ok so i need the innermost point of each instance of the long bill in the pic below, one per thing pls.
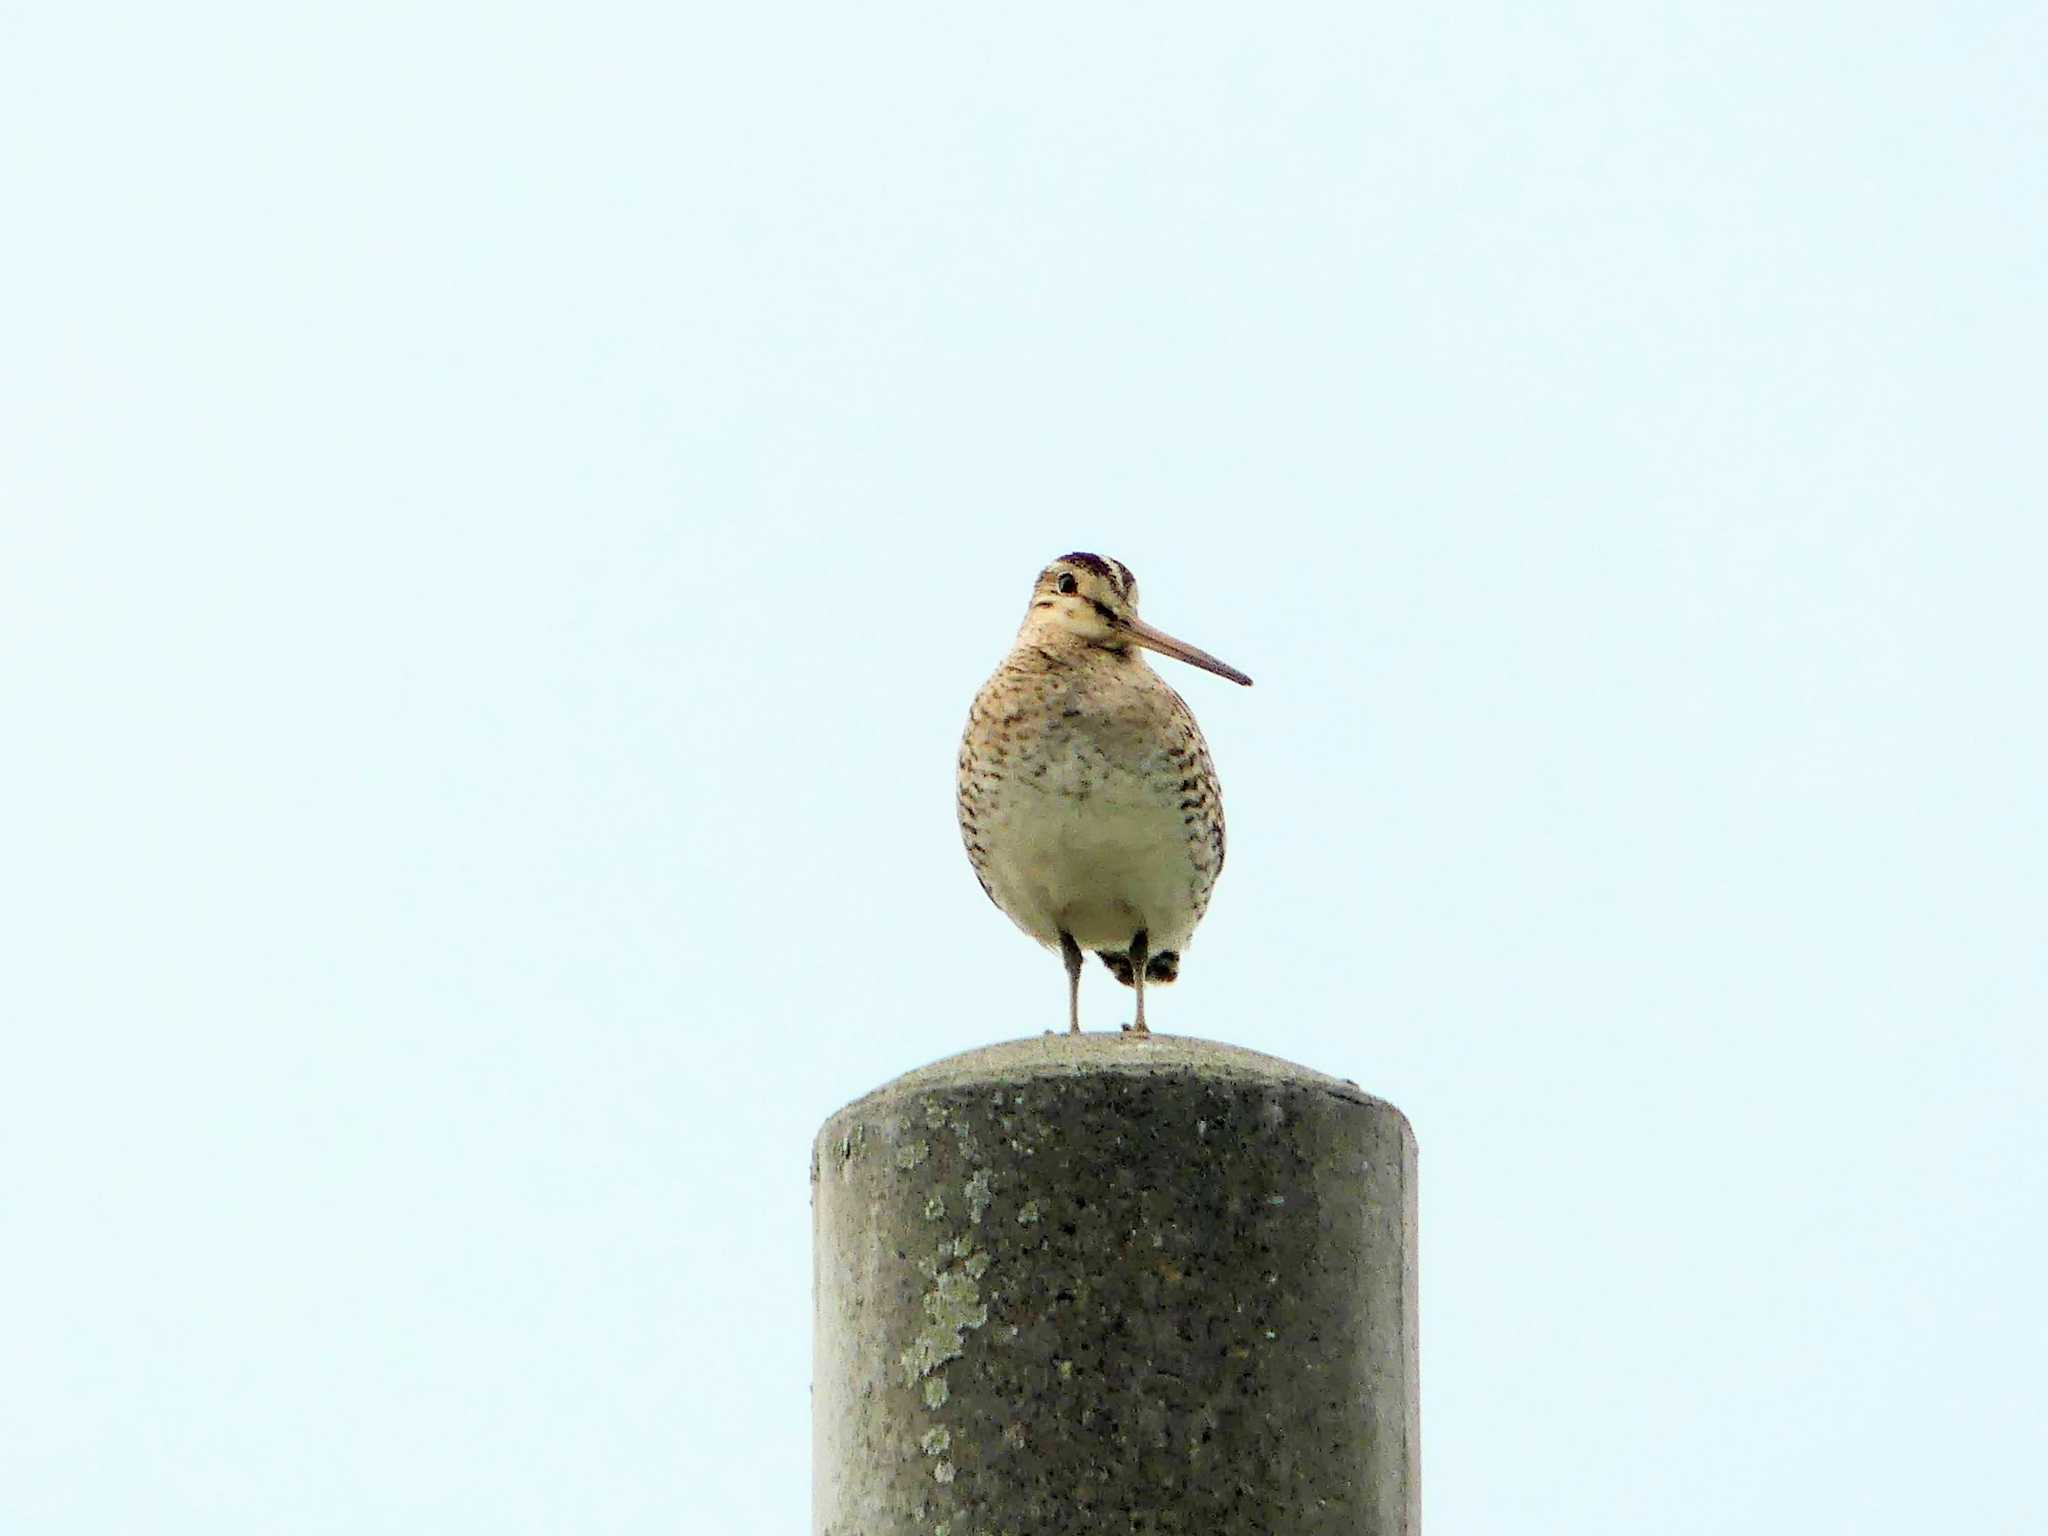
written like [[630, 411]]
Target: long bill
[[1158, 640]]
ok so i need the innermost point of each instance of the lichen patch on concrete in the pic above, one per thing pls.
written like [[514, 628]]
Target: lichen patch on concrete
[[953, 1305], [852, 1144], [978, 1196]]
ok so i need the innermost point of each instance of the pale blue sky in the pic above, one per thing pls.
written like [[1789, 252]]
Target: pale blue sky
[[505, 510]]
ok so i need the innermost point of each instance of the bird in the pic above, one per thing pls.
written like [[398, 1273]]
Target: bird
[[1088, 801]]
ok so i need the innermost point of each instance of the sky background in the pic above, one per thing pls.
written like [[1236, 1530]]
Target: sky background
[[505, 509]]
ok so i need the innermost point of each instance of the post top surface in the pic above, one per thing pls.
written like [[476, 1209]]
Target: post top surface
[[1040, 1057]]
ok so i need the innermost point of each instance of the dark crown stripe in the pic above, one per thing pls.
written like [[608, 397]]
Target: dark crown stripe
[[1115, 572]]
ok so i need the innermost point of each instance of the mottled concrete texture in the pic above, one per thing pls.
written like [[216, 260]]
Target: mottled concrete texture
[[1108, 1284]]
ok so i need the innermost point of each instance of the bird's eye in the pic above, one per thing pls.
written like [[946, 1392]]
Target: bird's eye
[[1066, 583]]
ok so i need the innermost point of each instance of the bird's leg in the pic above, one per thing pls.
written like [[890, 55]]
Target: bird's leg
[[1139, 947], [1071, 953]]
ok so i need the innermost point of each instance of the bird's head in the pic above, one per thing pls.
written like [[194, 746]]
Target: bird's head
[[1083, 600]]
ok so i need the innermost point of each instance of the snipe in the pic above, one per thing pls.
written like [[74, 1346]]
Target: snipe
[[1088, 802]]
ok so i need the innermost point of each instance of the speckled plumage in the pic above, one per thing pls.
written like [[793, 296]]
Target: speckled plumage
[[1088, 801]]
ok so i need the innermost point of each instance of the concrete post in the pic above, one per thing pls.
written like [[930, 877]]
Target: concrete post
[[1109, 1284]]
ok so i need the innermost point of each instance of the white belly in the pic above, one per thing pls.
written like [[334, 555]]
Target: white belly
[[1100, 866]]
